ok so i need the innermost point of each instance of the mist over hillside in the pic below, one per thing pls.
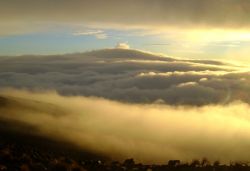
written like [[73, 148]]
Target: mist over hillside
[[149, 133]]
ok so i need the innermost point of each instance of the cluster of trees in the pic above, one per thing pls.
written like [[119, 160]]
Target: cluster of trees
[[15, 157], [177, 165], [19, 157]]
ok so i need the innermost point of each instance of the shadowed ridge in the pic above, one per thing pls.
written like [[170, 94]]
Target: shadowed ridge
[[3, 101], [126, 53], [105, 54], [22, 133], [24, 104]]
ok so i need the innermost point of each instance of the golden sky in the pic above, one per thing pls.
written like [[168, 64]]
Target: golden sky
[[193, 28]]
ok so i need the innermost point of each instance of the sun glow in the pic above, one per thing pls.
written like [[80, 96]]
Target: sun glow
[[218, 35]]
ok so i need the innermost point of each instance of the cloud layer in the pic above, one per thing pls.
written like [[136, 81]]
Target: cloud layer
[[145, 13], [148, 133], [125, 103], [129, 76]]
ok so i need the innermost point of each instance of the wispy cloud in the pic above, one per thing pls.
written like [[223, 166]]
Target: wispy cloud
[[157, 44], [99, 34]]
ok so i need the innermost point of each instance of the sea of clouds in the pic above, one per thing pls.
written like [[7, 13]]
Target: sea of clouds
[[129, 76], [126, 103]]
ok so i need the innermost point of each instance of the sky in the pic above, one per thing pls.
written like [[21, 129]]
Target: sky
[[149, 80], [215, 29]]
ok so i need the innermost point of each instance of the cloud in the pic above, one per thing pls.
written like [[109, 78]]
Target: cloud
[[89, 32], [129, 76], [158, 44], [149, 133], [122, 46], [160, 13], [126, 103], [99, 34]]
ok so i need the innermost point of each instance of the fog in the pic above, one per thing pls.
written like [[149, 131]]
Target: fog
[[149, 133]]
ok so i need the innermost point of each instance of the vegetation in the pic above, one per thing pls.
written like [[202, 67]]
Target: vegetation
[[15, 157]]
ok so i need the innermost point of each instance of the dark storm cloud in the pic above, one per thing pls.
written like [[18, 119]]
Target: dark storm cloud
[[129, 76], [31, 15]]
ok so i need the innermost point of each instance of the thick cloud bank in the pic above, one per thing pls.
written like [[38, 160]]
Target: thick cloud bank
[[148, 133], [129, 76]]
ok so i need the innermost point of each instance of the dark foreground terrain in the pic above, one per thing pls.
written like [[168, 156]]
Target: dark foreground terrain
[[26, 157]]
